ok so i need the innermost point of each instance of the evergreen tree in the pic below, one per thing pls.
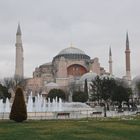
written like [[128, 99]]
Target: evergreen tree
[[121, 94], [102, 89], [96, 89], [18, 111], [86, 89]]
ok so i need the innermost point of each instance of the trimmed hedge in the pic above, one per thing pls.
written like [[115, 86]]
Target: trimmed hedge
[[18, 111]]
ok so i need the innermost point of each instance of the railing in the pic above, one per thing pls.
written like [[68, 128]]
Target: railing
[[70, 114]]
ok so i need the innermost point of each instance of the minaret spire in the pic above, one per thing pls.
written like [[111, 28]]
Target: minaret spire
[[18, 30], [19, 67], [127, 57], [110, 54], [127, 41], [110, 61]]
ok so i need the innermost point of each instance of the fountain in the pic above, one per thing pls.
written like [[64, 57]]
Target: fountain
[[5, 107], [42, 108], [43, 105], [1, 106], [30, 104]]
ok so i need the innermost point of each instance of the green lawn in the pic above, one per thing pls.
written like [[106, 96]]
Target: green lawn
[[110, 129]]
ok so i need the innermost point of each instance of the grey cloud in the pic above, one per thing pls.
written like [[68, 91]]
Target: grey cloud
[[49, 26]]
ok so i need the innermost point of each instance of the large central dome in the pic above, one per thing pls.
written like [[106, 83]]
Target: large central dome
[[71, 50], [72, 53]]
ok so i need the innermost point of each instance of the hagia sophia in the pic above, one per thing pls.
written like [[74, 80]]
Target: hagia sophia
[[67, 70]]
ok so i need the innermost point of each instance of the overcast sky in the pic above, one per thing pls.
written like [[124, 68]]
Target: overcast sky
[[48, 26]]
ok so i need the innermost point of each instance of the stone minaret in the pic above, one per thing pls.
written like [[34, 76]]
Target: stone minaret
[[110, 62], [127, 57], [19, 68]]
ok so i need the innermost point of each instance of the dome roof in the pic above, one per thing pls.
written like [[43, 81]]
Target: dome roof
[[89, 76], [52, 84], [72, 53], [71, 50], [45, 65]]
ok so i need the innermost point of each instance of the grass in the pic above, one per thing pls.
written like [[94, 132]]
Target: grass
[[108, 129]]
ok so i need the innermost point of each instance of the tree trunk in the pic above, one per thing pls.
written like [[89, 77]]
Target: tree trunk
[[107, 107], [105, 115], [120, 105]]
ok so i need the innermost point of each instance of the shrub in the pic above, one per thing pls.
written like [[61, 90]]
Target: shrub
[[18, 111], [4, 93], [56, 93], [79, 96]]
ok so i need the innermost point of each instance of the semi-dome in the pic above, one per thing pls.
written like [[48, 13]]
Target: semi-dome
[[52, 84], [71, 50], [72, 53], [136, 79], [89, 76]]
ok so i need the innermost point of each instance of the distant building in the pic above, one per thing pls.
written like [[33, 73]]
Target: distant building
[[68, 66], [66, 70]]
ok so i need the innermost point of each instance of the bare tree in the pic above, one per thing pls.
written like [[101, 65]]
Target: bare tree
[[13, 82]]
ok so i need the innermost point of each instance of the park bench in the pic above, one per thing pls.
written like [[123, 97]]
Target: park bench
[[99, 113], [138, 112], [120, 111], [65, 114]]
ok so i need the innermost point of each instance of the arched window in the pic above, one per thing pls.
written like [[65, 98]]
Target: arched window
[[76, 70]]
